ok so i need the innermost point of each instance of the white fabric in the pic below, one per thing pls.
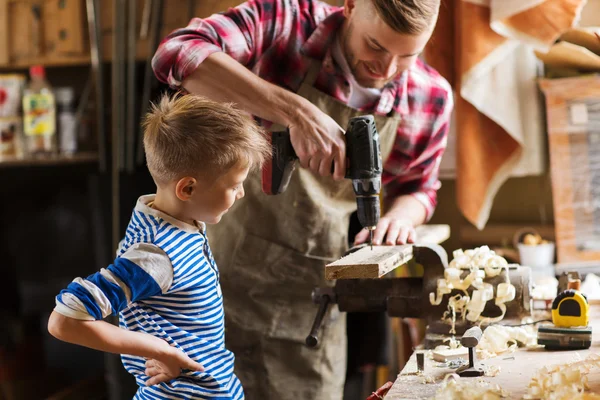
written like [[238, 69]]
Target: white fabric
[[360, 96], [503, 88]]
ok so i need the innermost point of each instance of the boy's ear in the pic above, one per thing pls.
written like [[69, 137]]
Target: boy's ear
[[185, 187]]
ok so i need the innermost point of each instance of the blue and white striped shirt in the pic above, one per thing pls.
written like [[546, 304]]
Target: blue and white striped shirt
[[164, 282]]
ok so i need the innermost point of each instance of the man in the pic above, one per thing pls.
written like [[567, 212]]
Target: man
[[310, 67]]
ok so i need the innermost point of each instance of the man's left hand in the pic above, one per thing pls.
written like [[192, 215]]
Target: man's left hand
[[393, 229]]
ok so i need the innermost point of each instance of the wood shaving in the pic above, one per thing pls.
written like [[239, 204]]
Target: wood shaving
[[428, 379], [455, 388], [498, 339], [481, 263], [491, 370], [563, 381]]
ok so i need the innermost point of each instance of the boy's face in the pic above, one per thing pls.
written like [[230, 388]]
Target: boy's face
[[375, 52], [209, 203]]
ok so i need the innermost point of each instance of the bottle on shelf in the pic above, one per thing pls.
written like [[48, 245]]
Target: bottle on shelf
[[67, 124], [39, 114]]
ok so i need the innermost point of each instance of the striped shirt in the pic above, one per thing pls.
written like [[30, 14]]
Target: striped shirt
[[278, 39], [164, 282]]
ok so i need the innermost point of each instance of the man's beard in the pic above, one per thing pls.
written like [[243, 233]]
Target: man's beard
[[353, 64]]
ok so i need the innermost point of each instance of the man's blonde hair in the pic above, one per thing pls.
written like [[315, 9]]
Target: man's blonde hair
[[411, 17], [189, 135]]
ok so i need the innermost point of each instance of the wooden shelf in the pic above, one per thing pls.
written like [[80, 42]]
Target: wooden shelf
[[78, 158], [47, 62]]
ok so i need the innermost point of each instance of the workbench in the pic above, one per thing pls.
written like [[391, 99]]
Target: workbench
[[516, 369]]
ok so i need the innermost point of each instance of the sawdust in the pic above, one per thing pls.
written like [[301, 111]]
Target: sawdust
[[455, 388], [564, 381], [491, 370]]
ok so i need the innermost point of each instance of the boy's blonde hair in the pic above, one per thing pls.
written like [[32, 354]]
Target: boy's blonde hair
[[190, 135]]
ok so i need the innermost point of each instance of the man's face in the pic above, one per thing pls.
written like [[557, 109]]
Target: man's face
[[375, 52]]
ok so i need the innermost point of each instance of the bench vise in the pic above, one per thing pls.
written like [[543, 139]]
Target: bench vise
[[409, 297]]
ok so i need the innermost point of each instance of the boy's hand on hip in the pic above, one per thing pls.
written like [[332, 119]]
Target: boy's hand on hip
[[169, 366], [319, 142]]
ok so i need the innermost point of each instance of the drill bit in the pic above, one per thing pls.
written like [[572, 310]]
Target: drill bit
[[371, 239]]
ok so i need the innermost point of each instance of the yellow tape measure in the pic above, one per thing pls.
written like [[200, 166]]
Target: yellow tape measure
[[570, 308]]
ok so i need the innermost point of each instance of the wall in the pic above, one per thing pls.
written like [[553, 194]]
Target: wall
[[590, 15]]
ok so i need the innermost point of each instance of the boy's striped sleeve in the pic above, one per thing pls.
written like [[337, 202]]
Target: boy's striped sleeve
[[144, 270]]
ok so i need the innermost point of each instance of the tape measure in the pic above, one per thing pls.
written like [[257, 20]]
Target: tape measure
[[570, 308]]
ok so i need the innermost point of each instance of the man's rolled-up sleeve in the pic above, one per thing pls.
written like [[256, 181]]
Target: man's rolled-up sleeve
[[243, 32], [419, 176]]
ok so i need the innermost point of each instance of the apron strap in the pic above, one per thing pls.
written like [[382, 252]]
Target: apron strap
[[313, 72]]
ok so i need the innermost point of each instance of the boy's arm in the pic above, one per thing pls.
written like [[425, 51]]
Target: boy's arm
[[141, 272], [103, 336]]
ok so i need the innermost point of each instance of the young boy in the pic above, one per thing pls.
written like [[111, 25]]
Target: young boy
[[164, 283]]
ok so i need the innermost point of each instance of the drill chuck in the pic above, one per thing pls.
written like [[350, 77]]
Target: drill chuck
[[368, 211]]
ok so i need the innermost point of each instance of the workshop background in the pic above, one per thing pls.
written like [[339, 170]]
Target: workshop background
[[67, 197]]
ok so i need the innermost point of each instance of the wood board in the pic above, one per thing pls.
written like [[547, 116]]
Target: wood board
[[573, 132], [370, 264], [516, 369], [366, 263]]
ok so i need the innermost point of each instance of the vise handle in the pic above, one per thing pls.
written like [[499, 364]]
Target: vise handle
[[471, 337], [323, 297]]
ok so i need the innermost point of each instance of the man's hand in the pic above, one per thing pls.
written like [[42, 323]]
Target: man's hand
[[169, 366], [395, 231], [319, 142]]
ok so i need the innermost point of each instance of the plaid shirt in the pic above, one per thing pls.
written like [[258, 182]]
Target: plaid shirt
[[277, 38]]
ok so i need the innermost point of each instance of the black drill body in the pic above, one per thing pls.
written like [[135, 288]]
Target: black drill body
[[364, 166]]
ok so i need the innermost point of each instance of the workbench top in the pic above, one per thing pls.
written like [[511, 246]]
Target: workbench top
[[516, 369]]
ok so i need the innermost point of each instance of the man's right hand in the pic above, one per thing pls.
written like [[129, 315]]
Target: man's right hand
[[319, 142]]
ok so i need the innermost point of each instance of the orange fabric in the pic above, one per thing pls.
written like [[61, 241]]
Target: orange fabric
[[463, 38], [546, 21]]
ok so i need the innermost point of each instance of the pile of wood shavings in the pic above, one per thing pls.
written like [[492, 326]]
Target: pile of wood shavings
[[456, 388], [563, 381], [480, 263]]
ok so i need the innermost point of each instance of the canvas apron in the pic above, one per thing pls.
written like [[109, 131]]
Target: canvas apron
[[271, 252]]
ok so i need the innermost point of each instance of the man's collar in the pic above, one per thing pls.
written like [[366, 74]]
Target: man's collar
[[320, 40]]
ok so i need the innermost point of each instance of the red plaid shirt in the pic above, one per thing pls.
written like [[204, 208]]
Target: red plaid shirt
[[276, 38]]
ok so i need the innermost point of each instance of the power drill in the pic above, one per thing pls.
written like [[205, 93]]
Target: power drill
[[364, 167]]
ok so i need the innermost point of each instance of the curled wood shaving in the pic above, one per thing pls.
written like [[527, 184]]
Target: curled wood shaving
[[498, 339], [563, 381], [481, 262], [455, 388]]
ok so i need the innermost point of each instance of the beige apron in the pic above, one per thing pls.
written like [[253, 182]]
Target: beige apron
[[271, 252]]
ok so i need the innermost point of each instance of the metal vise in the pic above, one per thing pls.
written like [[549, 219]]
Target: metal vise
[[409, 297]]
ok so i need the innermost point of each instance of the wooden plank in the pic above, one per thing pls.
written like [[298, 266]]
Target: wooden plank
[[560, 95], [366, 263], [516, 369]]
